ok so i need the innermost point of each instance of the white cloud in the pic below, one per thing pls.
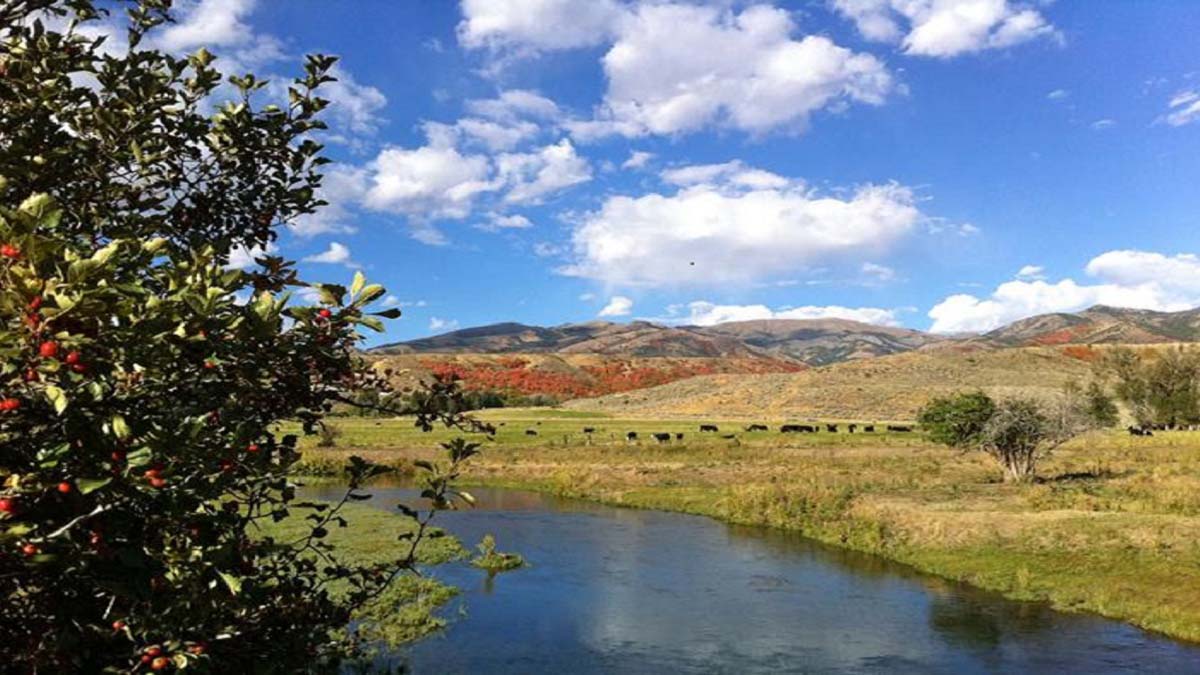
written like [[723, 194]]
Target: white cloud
[[241, 258], [207, 23], [532, 176], [432, 181], [1058, 95], [701, 313], [587, 297], [618, 305], [946, 28], [536, 24], [499, 221], [1184, 108], [1137, 279], [727, 232], [734, 173], [342, 186], [515, 104], [1100, 125], [395, 301], [676, 68], [877, 273], [353, 107], [495, 135], [447, 325], [1031, 272], [637, 159], [336, 254]]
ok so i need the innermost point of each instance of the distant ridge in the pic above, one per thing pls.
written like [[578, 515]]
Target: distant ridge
[[813, 342]]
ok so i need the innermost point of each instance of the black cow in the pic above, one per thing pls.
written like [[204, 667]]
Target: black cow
[[757, 427], [729, 437], [631, 436], [899, 428], [868, 428], [1140, 431], [831, 428], [531, 432], [851, 428], [679, 436], [662, 438], [798, 428], [709, 427], [589, 430]]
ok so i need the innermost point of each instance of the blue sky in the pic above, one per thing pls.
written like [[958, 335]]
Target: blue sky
[[945, 164]]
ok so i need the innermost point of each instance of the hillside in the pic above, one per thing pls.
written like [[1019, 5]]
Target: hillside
[[886, 388], [565, 376], [1101, 325], [820, 342]]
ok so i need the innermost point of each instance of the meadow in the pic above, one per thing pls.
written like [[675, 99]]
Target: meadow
[[1112, 526]]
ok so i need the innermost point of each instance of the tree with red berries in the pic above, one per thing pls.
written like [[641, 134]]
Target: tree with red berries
[[142, 380]]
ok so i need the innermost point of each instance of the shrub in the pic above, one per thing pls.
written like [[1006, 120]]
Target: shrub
[[141, 379]]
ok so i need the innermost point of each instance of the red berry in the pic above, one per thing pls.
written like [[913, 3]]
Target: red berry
[[324, 313], [146, 658], [9, 404], [10, 251], [8, 505], [253, 447], [118, 625], [72, 358], [48, 350], [35, 304], [158, 482], [209, 365], [64, 487], [118, 455], [30, 550], [79, 367], [153, 651], [161, 663], [31, 375], [153, 473], [226, 465], [198, 648]]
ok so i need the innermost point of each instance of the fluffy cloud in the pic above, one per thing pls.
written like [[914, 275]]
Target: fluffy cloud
[[1138, 279], [619, 305], [432, 181], [878, 274], [946, 28], [207, 23], [241, 258], [532, 176], [727, 231], [637, 159], [436, 324], [336, 254], [701, 313], [498, 221], [677, 67], [734, 173], [515, 104], [536, 24], [1183, 108], [1031, 272], [342, 187]]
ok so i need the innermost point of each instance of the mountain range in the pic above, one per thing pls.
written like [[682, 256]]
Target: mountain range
[[812, 342]]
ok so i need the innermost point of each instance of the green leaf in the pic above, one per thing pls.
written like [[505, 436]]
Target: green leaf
[[357, 285], [120, 427], [138, 458], [57, 398], [393, 313], [89, 485], [233, 582], [372, 323]]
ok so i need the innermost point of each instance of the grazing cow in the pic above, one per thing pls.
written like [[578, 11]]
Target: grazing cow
[[831, 428], [729, 437], [851, 427], [709, 427], [662, 438], [531, 432], [899, 428], [757, 427], [868, 428], [631, 436], [1140, 431], [589, 430], [789, 429], [679, 436]]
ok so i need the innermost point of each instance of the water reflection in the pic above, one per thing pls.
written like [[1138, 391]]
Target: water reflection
[[616, 590]]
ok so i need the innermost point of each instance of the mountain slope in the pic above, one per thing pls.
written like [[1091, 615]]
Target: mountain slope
[[1101, 325], [823, 341]]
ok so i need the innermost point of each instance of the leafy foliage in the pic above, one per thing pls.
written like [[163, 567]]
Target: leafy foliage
[[1016, 432], [141, 379], [1160, 389]]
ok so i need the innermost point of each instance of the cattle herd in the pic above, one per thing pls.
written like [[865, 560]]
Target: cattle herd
[[666, 437]]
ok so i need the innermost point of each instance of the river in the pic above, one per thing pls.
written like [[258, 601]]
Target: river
[[612, 590]]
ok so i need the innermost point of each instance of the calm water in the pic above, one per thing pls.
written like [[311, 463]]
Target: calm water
[[624, 591]]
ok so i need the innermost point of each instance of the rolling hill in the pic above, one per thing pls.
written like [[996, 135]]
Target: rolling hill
[[885, 388], [1101, 325]]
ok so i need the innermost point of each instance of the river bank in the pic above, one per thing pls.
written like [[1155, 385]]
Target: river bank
[[1113, 528]]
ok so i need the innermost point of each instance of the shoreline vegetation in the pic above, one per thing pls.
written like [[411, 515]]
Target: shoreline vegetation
[[1111, 527]]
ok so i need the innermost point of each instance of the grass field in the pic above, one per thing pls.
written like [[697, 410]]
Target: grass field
[[1112, 527]]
